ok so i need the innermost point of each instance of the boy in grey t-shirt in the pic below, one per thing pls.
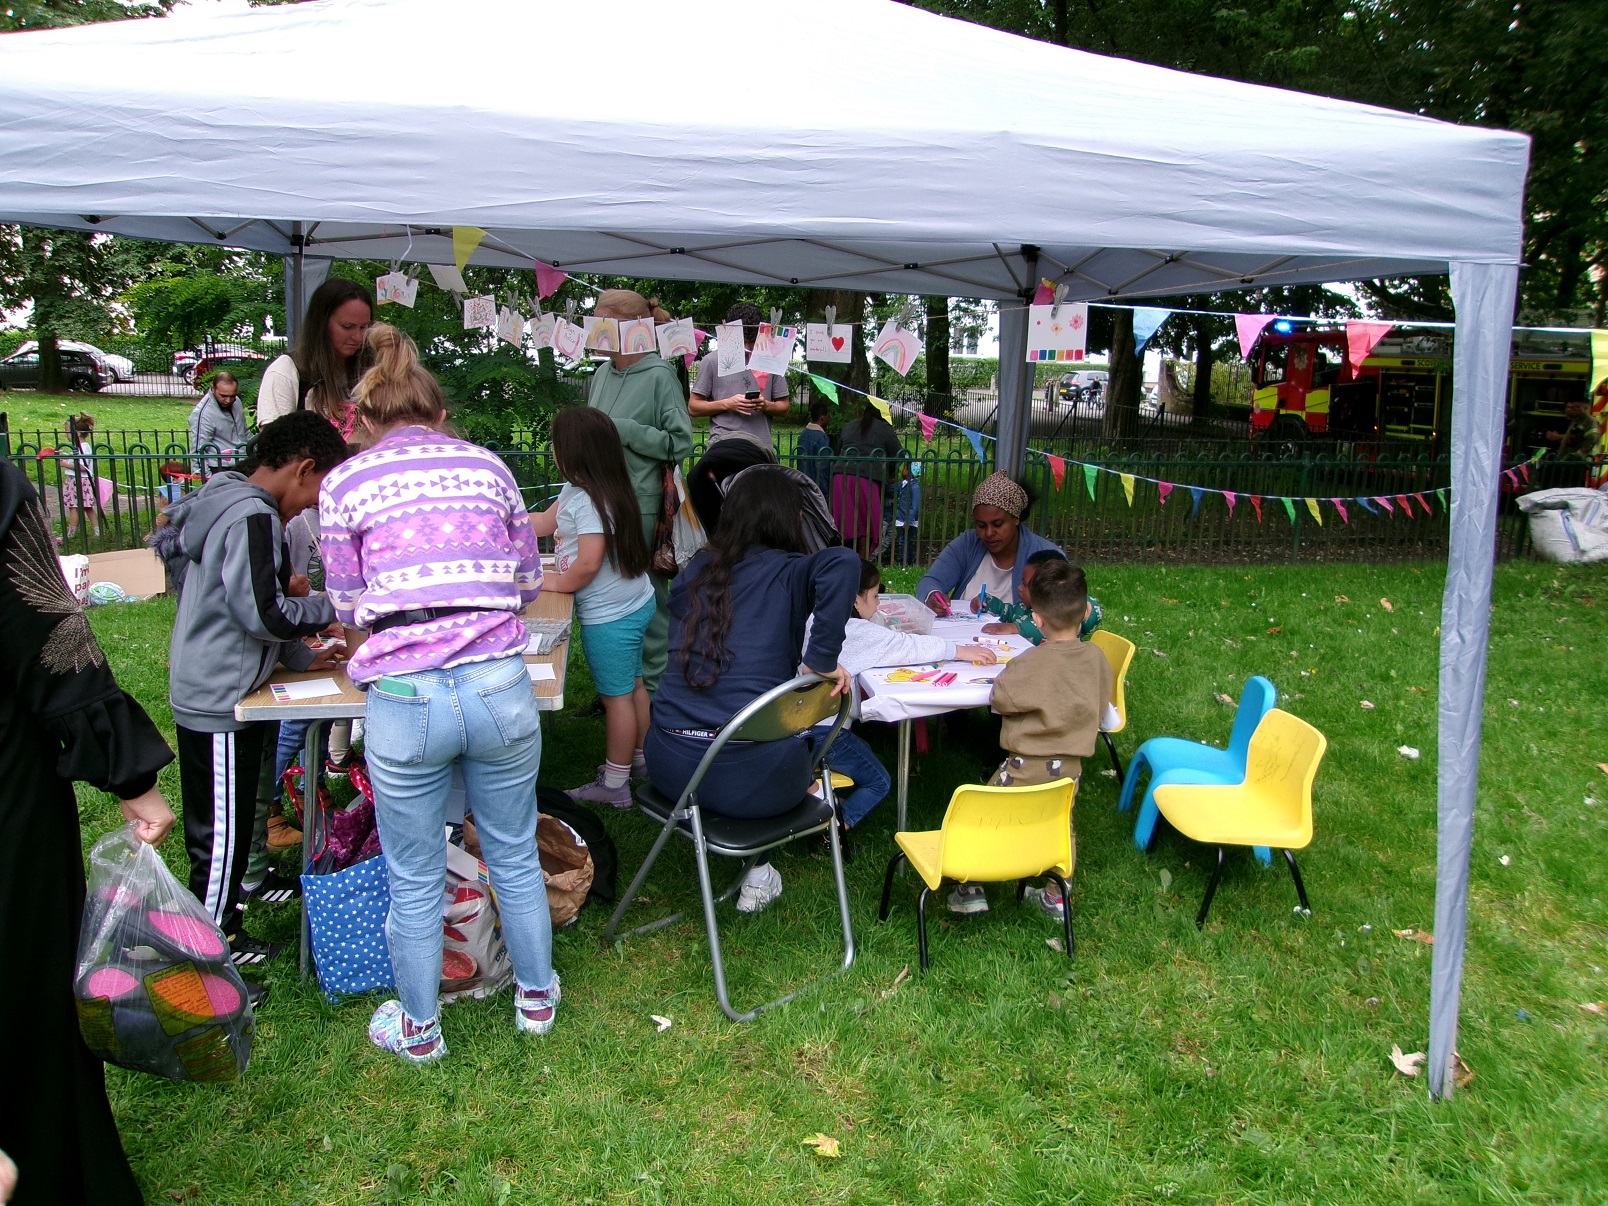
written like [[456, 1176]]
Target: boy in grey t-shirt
[[725, 399]]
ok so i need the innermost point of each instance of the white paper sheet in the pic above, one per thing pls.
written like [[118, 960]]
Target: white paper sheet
[[731, 356], [540, 672], [480, 313], [773, 349], [828, 344], [312, 688], [446, 276]]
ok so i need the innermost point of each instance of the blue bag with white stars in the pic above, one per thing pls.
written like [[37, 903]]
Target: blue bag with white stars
[[346, 912]]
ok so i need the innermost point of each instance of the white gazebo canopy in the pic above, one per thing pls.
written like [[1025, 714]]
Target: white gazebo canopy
[[855, 144]]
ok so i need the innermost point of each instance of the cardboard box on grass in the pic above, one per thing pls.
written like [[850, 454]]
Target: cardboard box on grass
[[138, 571]]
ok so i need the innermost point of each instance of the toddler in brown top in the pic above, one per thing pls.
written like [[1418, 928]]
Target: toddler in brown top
[[1051, 699]]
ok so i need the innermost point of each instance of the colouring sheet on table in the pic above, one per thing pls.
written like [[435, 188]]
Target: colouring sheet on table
[[312, 688]]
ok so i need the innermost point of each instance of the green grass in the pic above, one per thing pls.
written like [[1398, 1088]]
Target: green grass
[[1249, 1063], [30, 412]]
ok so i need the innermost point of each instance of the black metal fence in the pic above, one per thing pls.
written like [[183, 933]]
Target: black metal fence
[[1091, 515]]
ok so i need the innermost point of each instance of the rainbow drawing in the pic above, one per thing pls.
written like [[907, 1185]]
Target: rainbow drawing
[[897, 348], [636, 336]]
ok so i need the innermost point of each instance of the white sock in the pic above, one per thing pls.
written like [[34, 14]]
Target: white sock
[[615, 775]]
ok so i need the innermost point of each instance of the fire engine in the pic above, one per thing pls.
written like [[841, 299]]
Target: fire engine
[[1306, 390]]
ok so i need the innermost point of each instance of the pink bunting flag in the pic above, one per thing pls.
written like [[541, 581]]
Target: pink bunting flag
[[1229, 496], [1249, 327], [1044, 295], [928, 426], [1406, 505], [1341, 507], [1513, 477], [1385, 503], [698, 338], [548, 279], [1164, 489], [1360, 340], [1256, 501], [1057, 468]]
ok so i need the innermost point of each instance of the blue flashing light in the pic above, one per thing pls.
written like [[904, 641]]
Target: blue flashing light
[[1283, 326]]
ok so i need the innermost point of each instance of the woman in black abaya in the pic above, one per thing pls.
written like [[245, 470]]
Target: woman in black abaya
[[62, 718]]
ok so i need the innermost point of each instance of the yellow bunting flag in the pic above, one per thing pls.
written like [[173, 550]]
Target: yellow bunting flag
[[1312, 505], [464, 241], [882, 407], [1127, 486]]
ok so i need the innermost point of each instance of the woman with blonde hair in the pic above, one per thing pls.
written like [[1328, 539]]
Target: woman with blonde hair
[[428, 547], [642, 394]]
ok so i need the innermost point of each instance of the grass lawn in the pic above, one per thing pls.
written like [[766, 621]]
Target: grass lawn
[[1248, 1063], [29, 412]]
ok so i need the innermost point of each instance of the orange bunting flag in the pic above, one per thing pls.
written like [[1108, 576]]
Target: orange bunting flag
[[1312, 505], [1256, 501], [1057, 469], [1127, 486], [1164, 489], [1406, 505]]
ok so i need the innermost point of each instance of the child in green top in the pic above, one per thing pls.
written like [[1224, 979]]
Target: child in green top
[[1018, 617]]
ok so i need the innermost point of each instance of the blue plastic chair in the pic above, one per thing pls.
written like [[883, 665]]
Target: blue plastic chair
[[1176, 760]]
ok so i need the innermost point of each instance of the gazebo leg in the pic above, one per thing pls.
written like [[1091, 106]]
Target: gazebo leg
[[1295, 874], [1211, 889]]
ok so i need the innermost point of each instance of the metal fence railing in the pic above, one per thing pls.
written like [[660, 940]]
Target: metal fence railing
[[1093, 519]]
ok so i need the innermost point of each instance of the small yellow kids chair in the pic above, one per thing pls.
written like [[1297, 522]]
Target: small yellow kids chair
[[1272, 807], [1119, 652], [989, 835]]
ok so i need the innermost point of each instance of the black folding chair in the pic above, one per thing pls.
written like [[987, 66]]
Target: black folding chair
[[783, 711]]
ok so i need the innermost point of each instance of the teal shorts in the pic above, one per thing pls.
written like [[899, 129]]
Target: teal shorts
[[614, 650]]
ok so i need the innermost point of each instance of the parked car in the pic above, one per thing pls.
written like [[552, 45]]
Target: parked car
[[121, 367], [210, 360], [79, 370], [1085, 385]]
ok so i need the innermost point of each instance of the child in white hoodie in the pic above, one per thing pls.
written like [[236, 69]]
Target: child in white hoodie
[[865, 645]]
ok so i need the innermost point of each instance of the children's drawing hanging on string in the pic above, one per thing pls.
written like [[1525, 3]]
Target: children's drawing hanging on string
[[602, 334], [731, 357], [480, 313], [396, 287], [569, 340], [510, 326], [773, 349], [1058, 331], [542, 328], [828, 343], [677, 338], [637, 336], [896, 347], [449, 278]]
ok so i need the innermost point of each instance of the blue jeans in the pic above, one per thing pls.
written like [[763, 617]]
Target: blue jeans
[[853, 757], [483, 717]]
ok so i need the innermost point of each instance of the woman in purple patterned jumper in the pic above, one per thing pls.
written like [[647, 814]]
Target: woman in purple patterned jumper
[[428, 547]]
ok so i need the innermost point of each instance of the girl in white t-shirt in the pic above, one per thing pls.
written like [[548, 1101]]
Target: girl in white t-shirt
[[602, 559]]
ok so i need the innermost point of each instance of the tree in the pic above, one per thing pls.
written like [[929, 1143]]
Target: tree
[[937, 354]]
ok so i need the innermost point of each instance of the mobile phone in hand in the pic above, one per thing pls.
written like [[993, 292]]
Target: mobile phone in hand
[[752, 395]]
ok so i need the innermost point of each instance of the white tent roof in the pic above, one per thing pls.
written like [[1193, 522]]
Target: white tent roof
[[852, 144]]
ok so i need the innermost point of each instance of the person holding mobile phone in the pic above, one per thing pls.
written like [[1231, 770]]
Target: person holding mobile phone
[[743, 402]]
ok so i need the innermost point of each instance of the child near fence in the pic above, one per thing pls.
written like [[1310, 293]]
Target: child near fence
[[602, 558]]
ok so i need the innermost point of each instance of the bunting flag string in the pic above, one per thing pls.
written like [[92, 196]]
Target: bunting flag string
[[1058, 468]]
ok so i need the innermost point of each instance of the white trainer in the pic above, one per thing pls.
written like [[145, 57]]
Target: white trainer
[[761, 885]]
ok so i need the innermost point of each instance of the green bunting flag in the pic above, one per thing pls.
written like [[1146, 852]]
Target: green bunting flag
[[826, 385], [1289, 508], [1089, 474]]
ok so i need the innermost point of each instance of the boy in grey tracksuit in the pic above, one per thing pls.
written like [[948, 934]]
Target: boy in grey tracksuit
[[241, 613]]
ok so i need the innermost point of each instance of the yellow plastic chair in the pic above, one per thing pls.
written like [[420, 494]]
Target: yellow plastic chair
[[990, 835], [1119, 652], [1272, 807]]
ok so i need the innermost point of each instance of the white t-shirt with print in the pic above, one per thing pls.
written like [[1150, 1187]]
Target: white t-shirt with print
[[608, 596], [992, 576]]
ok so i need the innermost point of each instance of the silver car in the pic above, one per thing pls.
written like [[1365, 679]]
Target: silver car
[[118, 368]]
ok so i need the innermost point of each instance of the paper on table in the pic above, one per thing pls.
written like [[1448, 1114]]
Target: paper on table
[[540, 672], [312, 688]]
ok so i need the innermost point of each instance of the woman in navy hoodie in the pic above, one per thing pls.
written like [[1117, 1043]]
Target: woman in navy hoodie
[[737, 617]]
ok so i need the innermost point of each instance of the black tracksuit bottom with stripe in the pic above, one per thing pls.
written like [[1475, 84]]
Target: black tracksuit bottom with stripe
[[218, 775]]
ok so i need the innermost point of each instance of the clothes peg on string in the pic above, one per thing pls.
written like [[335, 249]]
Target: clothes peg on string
[[776, 316]]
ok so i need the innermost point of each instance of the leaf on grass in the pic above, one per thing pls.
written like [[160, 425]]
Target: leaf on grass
[[1056, 945], [1594, 1007], [1513, 703], [1055, 1000], [1224, 699], [1275, 631], [1603, 767], [661, 1022], [1341, 599], [1407, 1065], [1166, 879], [1109, 773], [1387, 605], [824, 1145], [1418, 690], [1367, 705], [1165, 599], [1461, 1072], [1423, 936], [1158, 653]]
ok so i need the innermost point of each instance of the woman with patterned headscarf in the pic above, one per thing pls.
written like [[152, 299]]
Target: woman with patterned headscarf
[[992, 555]]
